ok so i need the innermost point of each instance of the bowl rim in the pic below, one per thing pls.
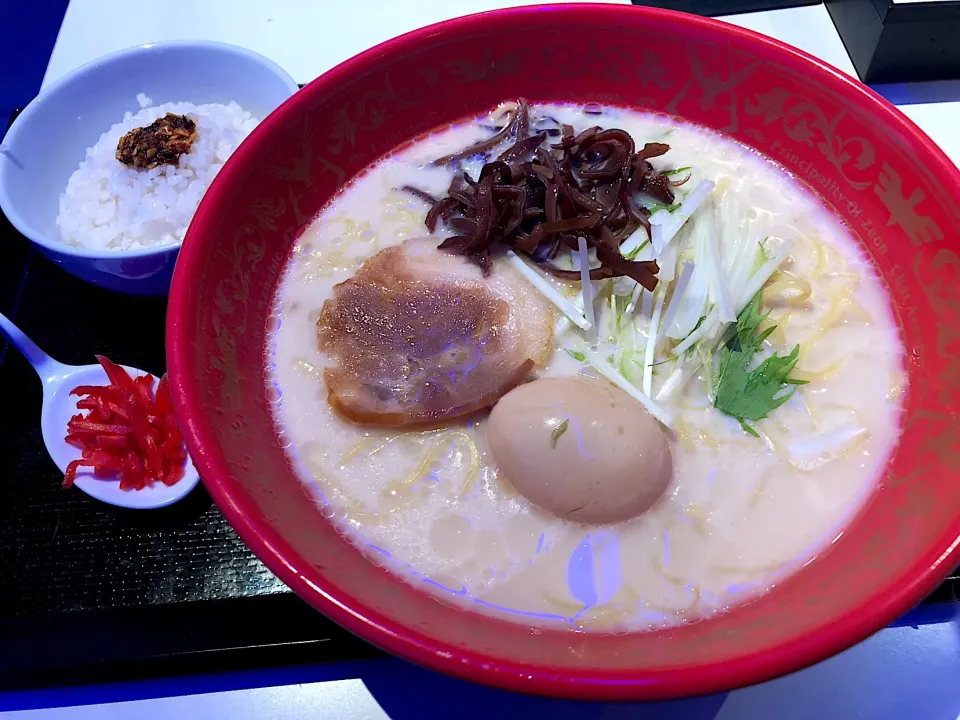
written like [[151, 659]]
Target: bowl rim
[[111, 58], [839, 633]]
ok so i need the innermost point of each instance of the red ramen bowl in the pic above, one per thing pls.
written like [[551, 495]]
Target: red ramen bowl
[[871, 167]]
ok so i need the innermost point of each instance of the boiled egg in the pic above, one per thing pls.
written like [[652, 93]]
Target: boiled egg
[[580, 448]]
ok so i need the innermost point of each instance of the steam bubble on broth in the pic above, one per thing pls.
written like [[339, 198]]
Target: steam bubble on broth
[[741, 512]]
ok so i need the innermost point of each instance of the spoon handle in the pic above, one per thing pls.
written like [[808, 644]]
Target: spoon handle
[[41, 362]]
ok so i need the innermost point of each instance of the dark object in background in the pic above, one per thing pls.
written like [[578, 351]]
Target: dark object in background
[[712, 8], [891, 41]]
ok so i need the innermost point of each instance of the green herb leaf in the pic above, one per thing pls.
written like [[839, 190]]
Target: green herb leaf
[[576, 355], [748, 429], [752, 394], [558, 431], [676, 171]]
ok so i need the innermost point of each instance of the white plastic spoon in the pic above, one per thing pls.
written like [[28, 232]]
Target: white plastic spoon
[[59, 406]]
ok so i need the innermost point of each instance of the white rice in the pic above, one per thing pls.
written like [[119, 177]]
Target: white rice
[[108, 206]]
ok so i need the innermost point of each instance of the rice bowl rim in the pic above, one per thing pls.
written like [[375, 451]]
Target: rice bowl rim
[[56, 244]]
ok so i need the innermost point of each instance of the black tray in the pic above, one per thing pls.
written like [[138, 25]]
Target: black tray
[[93, 593], [88, 588]]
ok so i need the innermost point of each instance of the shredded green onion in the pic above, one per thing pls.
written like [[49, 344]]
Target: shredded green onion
[[632, 255]]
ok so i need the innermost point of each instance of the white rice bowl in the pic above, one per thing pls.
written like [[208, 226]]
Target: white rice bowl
[[108, 206]]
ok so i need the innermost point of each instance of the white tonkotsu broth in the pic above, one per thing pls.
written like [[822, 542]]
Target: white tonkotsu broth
[[741, 513]]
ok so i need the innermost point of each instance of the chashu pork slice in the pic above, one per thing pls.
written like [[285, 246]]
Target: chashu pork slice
[[419, 336]]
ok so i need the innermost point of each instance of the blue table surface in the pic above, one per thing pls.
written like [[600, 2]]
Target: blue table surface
[[29, 31], [911, 669]]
